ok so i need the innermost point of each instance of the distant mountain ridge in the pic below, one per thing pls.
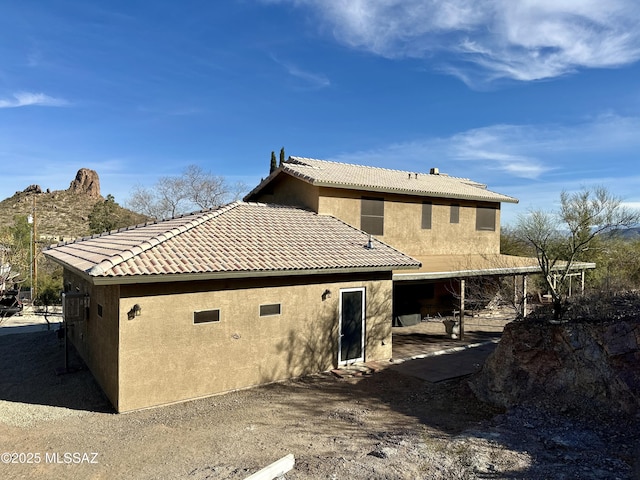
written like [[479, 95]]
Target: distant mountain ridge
[[626, 234], [60, 214]]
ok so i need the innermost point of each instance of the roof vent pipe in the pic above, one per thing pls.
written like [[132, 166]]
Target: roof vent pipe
[[434, 171]]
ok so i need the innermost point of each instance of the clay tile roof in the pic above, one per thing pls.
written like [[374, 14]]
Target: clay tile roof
[[374, 179], [250, 238]]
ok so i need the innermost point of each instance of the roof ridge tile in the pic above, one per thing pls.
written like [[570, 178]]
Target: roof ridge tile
[[366, 178]]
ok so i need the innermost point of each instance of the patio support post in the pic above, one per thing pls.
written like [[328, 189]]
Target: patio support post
[[582, 282], [462, 292], [524, 296]]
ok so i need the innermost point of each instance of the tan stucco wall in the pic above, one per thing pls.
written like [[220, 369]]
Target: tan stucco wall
[[287, 190], [402, 217], [403, 223], [165, 358], [96, 339]]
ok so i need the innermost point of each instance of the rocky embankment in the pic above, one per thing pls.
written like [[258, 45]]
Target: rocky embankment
[[586, 366]]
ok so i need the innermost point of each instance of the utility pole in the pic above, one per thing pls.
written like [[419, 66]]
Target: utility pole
[[34, 257], [30, 222]]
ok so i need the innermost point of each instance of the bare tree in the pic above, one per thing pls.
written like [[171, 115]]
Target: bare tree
[[562, 238], [204, 189], [194, 189]]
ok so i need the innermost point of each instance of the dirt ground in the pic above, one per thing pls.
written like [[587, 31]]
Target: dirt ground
[[381, 426]]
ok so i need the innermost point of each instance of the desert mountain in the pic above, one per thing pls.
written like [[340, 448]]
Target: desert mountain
[[61, 214]]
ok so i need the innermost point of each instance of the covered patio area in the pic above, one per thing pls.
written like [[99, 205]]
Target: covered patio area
[[429, 337], [455, 285]]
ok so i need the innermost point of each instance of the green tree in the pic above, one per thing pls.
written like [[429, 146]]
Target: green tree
[[108, 215], [21, 231], [273, 165], [104, 216], [560, 239], [281, 156], [512, 244], [618, 260], [49, 288], [15, 255]]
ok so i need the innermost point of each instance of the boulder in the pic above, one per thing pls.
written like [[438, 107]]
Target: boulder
[[86, 183], [590, 365]]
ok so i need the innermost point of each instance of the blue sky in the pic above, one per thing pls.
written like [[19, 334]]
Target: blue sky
[[530, 97]]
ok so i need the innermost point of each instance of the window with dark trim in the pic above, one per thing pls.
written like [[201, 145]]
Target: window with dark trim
[[454, 214], [372, 215], [100, 310], [427, 209], [485, 218], [270, 309], [206, 316]]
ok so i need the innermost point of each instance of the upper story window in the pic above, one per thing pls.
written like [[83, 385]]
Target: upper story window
[[372, 215], [454, 213], [427, 209], [486, 218]]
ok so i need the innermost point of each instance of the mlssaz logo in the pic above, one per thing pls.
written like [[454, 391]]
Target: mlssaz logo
[[71, 458]]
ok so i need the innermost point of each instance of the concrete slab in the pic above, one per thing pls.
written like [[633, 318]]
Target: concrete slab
[[29, 322], [447, 364]]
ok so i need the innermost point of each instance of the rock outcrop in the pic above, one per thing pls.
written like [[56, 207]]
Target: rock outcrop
[[33, 189], [584, 366], [86, 183]]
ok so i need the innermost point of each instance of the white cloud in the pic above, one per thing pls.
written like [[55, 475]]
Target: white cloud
[[311, 80], [490, 39], [600, 146], [25, 99]]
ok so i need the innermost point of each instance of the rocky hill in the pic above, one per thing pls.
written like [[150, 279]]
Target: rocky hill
[[61, 214]]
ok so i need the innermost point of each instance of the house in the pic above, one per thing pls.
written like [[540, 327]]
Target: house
[[309, 272], [450, 224], [225, 299]]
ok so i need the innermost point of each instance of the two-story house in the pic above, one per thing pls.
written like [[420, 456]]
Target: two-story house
[[450, 224], [307, 274]]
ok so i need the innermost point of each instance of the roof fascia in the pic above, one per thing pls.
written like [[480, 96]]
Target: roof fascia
[[483, 272], [409, 192], [184, 277]]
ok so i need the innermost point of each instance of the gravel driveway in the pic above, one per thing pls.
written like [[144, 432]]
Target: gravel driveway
[[384, 426]]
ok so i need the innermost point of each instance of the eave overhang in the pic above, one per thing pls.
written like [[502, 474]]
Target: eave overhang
[[204, 276], [501, 271]]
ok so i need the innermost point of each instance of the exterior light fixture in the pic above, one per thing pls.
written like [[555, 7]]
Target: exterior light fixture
[[326, 294], [135, 311]]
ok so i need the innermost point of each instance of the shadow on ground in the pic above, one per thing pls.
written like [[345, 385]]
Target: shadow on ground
[[31, 361], [346, 417]]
